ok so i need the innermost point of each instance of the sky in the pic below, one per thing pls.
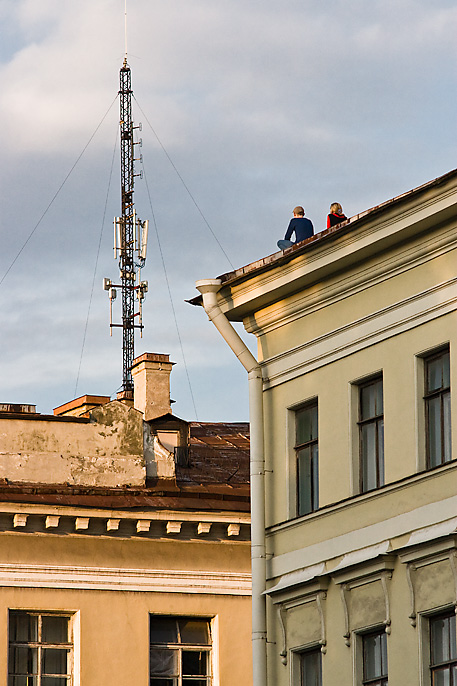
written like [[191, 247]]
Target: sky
[[248, 108]]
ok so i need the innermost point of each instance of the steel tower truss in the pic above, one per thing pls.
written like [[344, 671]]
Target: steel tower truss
[[130, 238]]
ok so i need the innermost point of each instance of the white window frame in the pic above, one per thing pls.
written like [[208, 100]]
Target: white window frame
[[419, 367], [291, 469], [213, 650], [354, 431], [74, 638], [295, 661], [423, 625]]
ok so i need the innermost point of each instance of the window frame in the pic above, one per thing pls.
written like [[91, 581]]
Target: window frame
[[40, 645], [313, 460], [377, 420], [180, 647], [430, 395], [380, 679], [315, 651], [451, 663]]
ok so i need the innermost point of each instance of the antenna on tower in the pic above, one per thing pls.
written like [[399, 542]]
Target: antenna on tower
[[130, 238]]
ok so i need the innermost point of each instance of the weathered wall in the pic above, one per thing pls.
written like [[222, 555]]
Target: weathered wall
[[113, 632], [108, 451]]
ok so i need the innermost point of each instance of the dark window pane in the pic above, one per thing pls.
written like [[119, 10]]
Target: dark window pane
[[371, 400], [368, 450], [54, 661], [54, 681], [434, 430], [374, 656], [194, 663], [440, 639], [441, 677], [311, 668], [23, 628], [306, 424], [194, 631], [23, 660], [436, 373], [194, 682], [381, 452], [304, 481], [163, 662], [308, 479], [163, 630], [315, 473], [22, 681], [447, 456], [163, 682], [54, 629]]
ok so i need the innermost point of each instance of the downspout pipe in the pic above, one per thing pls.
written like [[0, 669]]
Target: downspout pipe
[[209, 290]]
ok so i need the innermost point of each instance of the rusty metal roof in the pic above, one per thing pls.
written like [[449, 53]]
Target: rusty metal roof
[[219, 454]]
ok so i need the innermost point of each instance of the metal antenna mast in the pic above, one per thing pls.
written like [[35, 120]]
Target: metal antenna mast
[[130, 238]]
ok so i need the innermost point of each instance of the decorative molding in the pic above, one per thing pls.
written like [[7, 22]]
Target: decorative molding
[[385, 577], [174, 527], [112, 524], [143, 525], [203, 528], [356, 335], [111, 579], [52, 521], [282, 624], [320, 596], [347, 625], [81, 523], [337, 289], [19, 520], [410, 573], [233, 530], [452, 562], [390, 528]]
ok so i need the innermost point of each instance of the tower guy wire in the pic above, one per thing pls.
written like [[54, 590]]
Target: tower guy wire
[[56, 194], [184, 184], [169, 292], [96, 265]]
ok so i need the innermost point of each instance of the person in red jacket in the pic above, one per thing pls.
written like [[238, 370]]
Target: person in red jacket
[[336, 215]]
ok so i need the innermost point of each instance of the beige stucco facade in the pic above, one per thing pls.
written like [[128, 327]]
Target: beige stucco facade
[[372, 298]]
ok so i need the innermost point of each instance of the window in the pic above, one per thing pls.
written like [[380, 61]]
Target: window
[[371, 434], [311, 668], [438, 408], [375, 658], [443, 651], [306, 451], [180, 651], [40, 649]]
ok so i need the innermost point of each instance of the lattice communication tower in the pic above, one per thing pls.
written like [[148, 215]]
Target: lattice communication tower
[[130, 239]]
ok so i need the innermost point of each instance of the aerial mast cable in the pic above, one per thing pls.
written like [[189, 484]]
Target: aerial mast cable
[[130, 239]]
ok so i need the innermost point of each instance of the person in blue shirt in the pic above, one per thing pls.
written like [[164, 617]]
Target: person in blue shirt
[[300, 225]]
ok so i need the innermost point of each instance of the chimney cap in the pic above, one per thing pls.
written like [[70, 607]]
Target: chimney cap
[[152, 357]]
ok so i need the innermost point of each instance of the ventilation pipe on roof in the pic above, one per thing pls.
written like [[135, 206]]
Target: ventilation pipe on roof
[[209, 289]]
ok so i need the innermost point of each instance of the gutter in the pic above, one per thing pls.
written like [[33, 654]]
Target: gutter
[[209, 290]]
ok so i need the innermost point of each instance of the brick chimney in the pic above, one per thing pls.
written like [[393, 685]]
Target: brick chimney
[[151, 381]]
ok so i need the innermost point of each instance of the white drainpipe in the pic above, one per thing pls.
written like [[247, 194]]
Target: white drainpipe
[[209, 289]]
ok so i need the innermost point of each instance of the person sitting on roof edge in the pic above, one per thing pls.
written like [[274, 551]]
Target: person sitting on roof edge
[[336, 215], [302, 227]]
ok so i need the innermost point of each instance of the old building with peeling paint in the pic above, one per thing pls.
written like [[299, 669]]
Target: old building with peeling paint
[[124, 543]]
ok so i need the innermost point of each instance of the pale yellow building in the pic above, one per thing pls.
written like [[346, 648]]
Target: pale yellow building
[[357, 359], [124, 543]]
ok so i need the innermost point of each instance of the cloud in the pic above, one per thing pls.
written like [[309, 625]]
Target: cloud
[[259, 105]]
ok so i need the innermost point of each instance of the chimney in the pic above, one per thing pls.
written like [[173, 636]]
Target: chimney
[[151, 381]]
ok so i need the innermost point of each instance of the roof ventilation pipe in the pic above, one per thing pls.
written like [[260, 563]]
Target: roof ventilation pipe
[[209, 290]]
